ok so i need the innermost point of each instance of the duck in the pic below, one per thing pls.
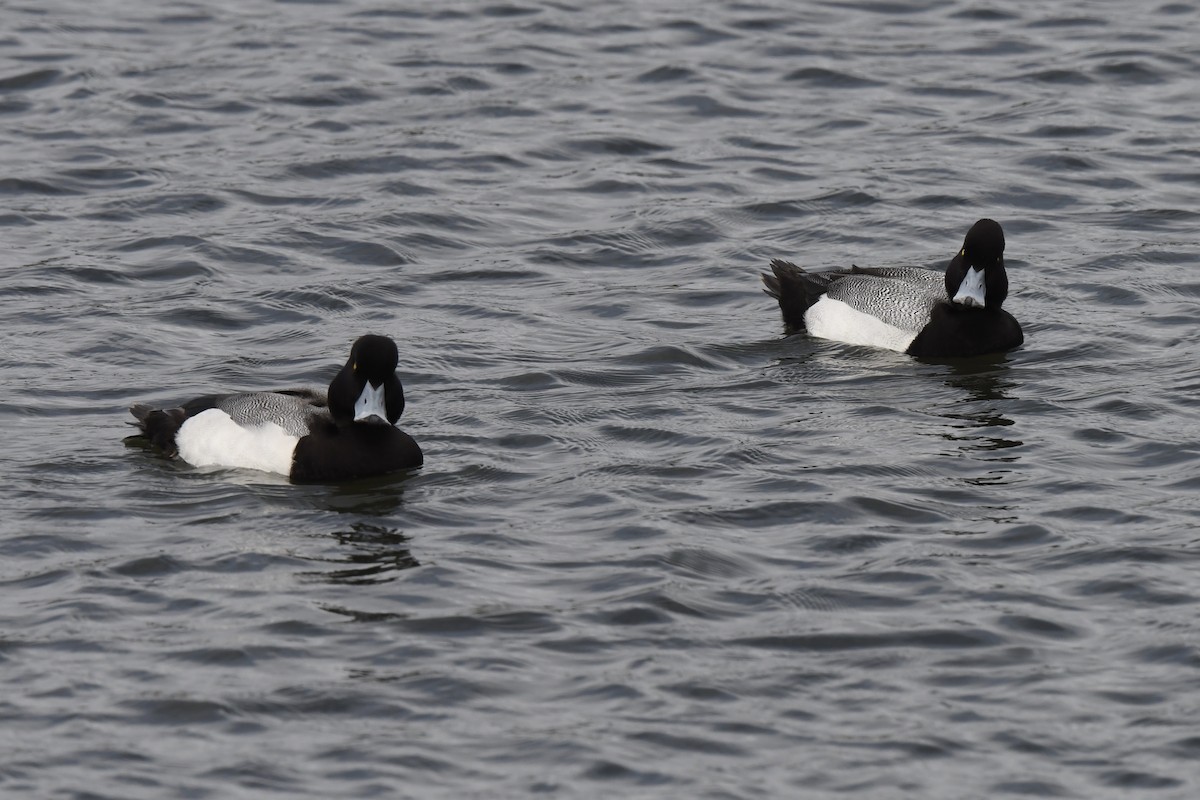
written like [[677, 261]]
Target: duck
[[345, 433], [911, 310]]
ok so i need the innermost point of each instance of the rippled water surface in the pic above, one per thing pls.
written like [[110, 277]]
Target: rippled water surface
[[658, 549]]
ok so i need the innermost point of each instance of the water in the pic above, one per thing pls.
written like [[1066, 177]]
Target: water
[[657, 549]]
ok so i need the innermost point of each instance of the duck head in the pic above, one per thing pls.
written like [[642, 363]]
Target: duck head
[[976, 276], [366, 389]]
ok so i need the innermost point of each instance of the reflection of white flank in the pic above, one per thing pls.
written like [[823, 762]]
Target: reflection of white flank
[[833, 319], [213, 439], [972, 291], [370, 404]]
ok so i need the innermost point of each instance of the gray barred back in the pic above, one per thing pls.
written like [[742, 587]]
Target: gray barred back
[[900, 296], [292, 412]]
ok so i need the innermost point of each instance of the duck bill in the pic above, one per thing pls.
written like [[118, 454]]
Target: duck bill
[[370, 405], [972, 291]]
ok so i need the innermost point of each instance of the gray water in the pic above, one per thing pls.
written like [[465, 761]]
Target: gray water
[[658, 549]]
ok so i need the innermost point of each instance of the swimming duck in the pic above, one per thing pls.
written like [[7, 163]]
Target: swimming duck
[[908, 309], [308, 435]]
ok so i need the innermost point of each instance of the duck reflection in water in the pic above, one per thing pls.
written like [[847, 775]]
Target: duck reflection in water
[[984, 381], [375, 554]]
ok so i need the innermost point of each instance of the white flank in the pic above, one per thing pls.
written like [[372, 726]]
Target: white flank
[[972, 291], [212, 439], [833, 319], [370, 404]]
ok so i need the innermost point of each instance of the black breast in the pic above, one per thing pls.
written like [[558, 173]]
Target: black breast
[[332, 452], [955, 332]]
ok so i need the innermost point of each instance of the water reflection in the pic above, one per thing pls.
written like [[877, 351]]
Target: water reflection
[[380, 496], [373, 554], [984, 382]]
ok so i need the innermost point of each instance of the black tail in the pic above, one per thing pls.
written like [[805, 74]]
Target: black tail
[[795, 289], [158, 426]]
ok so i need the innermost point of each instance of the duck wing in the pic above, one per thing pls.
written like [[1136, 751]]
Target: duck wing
[[293, 409], [903, 297]]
